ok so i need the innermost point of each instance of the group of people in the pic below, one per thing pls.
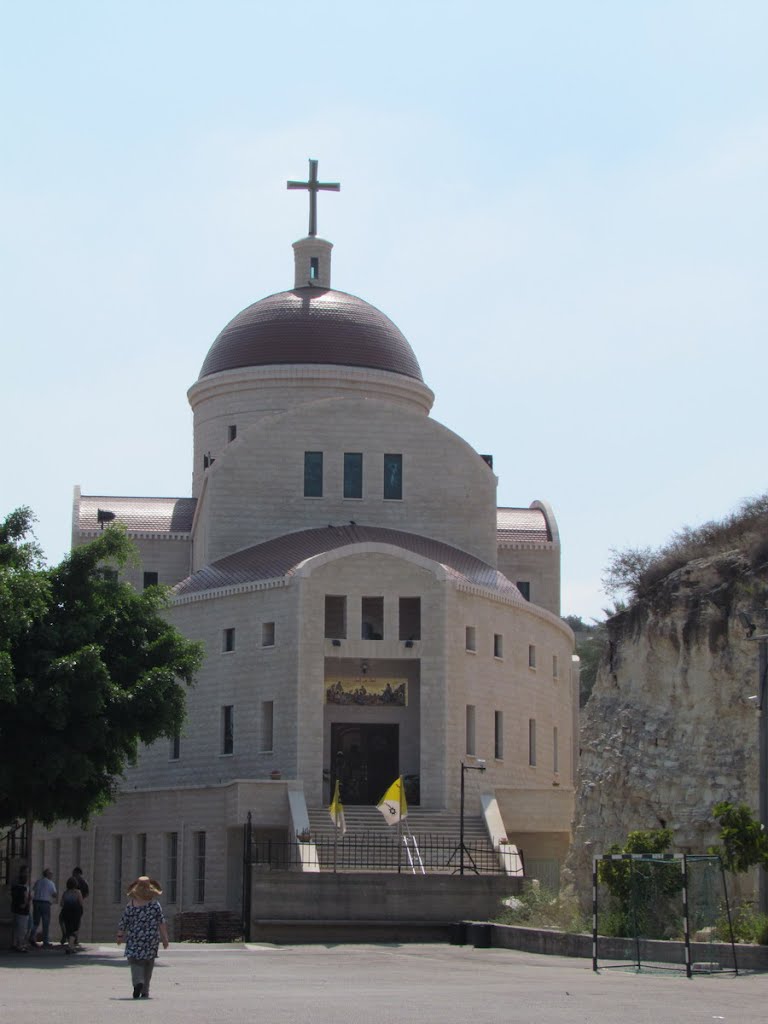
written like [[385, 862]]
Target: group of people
[[31, 908], [142, 925]]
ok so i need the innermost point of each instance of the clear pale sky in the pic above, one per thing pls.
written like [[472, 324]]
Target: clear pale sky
[[562, 206]]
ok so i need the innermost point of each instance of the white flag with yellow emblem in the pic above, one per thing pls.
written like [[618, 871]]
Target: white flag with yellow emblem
[[392, 805], [336, 810]]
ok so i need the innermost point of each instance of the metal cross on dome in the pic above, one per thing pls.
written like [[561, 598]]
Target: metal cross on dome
[[313, 186]]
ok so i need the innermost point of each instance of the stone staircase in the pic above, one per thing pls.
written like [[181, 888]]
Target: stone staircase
[[370, 844]]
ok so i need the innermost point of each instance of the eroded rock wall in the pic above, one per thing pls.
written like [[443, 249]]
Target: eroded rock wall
[[669, 729]]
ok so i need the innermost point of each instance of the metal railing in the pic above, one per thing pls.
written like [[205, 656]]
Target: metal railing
[[13, 845], [375, 852]]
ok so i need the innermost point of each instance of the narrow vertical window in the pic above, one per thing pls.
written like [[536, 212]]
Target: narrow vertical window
[[410, 618], [532, 742], [524, 587], [77, 850], [171, 866], [313, 474], [335, 617], [470, 638], [141, 853], [314, 268], [498, 645], [555, 751], [199, 874], [117, 869], [228, 640], [267, 726], [174, 752], [470, 730], [227, 729], [372, 618], [555, 667], [57, 859], [150, 579], [267, 634], [531, 655], [498, 735], [231, 432], [393, 477], [353, 474]]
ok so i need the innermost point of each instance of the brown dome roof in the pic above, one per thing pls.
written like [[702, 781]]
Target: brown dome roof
[[312, 325]]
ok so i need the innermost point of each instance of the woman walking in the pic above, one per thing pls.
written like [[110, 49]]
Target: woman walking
[[142, 927], [71, 915]]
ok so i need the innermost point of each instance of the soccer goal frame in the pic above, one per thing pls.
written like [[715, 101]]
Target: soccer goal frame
[[682, 861]]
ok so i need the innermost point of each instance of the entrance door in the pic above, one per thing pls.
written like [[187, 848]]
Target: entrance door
[[365, 759]]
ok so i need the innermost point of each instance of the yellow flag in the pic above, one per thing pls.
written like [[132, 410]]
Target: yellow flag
[[392, 805], [336, 810]]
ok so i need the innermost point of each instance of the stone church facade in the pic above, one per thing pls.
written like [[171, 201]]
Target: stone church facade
[[362, 601]]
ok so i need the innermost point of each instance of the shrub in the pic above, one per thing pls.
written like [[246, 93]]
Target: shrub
[[538, 907]]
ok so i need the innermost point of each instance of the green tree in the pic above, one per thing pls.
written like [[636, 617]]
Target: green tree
[[743, 839], [640, 894], [89, 668]]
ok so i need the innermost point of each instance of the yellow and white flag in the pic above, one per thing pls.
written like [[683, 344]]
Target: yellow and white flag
[[336, 810], [392, 805]]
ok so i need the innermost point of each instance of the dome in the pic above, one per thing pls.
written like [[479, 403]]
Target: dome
[[312, 325]]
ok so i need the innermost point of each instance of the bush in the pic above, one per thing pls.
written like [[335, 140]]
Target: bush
[[538, 907], [749, 925]]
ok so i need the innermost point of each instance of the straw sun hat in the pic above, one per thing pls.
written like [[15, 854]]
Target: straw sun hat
[[144, 888]]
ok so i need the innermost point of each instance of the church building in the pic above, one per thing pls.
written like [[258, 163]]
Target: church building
[[367, 611]]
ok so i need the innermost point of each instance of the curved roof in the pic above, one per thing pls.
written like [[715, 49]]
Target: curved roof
[[527, 525], [312, 325], [281, 556], [145, 515]]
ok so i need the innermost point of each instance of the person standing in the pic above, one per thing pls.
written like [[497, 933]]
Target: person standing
[[43, 895], [141, 927], [82, 885], [20, 911], [71, 914]]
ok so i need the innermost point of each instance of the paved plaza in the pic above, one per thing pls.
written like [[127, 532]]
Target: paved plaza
[[364, 984]]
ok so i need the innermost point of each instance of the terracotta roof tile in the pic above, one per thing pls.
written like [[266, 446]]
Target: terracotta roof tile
[[282, 556], [514, 525], [139, 515]]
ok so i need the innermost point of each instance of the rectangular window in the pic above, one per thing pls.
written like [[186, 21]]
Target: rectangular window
[[228, 640], [555, 667], [335, 617], [171, 867], [372, 618], [267, 634], [410, 618], [174, 752], [314, 268], [227, 729], [231, 432], [498, 735], [555, 751], [77, 850], [117, 869], [531, 655], [498, 645], [109, 575], [141, 853], [524, 587], [353, 474], [470, 638], [150, 579], [313, 474], [470, 730], [198, 839], [532, 742], [393, 477], [57, 859], [267, 726]]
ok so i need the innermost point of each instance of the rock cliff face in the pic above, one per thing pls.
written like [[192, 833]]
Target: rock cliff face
[[669, 728]]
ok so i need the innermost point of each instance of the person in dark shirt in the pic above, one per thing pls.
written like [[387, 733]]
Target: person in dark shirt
[[82, 885], [20, 911]]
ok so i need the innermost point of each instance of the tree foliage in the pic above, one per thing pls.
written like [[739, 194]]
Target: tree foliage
[[743, 840], [89, 668], [640, 893]]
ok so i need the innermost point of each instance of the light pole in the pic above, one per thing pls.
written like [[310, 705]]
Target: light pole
[[762, 726], [479, 767]]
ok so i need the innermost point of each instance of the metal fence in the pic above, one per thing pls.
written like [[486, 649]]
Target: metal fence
[[13, 845], [426, 854]]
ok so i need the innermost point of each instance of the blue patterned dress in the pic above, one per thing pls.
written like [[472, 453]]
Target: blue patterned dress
[[141, 927]]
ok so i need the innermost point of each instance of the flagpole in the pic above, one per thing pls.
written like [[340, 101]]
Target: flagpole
[[400, 828]]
